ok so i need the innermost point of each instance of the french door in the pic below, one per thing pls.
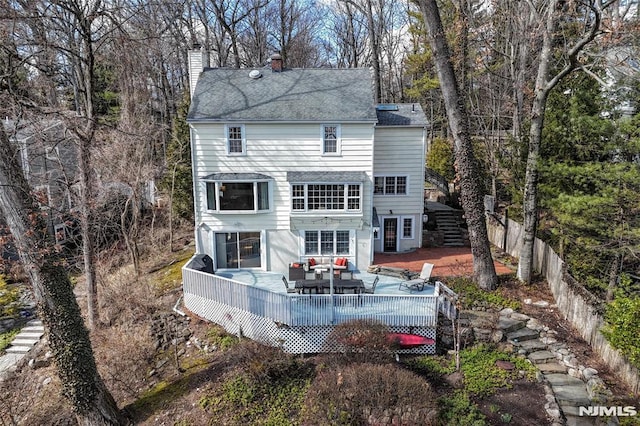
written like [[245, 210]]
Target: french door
[[390, 241]]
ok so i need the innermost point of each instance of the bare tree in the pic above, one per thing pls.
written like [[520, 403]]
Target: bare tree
[[293, 33], [466, 164], [78, 19], [366, 7], [58, 308], [549, 74], [349, 34]]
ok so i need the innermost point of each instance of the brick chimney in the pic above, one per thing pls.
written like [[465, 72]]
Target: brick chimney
[[276, 62]]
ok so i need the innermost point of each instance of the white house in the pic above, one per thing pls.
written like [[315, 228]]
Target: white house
[[294, 164], [48, 156]]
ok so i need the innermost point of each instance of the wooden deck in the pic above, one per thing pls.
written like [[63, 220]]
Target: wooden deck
[[301, 323]]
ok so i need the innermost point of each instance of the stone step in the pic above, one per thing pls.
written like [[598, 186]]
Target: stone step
[[35, 322], [18, 349], [8, 360], [522, 335], [531, 345], [556, 379], [575, 395], [32, 329], [509, 325], [29, 335], [19, 341], [541, 357], [568, 390], [551, 367], [572, 414], [581, 421]]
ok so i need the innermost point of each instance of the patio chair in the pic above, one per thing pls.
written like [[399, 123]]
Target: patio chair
[[346, 275], [310, 275], [286, 285], [418, 283], [372, 289], [326, 275]]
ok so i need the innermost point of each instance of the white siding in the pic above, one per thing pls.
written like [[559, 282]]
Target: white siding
[[401, 152], [274, 150]]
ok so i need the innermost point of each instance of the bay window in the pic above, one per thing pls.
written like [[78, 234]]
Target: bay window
[[236, 195]]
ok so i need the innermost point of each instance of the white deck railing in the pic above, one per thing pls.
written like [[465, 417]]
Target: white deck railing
[[309, 310], [447, 301]]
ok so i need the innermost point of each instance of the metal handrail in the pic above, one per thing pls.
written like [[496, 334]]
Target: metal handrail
[[440, 182]]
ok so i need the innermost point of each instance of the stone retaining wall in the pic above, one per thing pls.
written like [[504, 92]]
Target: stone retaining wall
[[575, 303]]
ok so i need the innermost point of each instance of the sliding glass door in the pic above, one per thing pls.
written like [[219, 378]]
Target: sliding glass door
[[238, 250]]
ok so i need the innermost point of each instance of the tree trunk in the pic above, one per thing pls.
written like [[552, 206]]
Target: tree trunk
[[613, 277], [58, 308], [466, 164], [530, 200], [544, 85], [88, 250], [375, 52]]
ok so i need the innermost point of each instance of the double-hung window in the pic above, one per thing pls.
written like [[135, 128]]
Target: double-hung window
[[327, 242], [331, 139], [390, 185], [236, 143], [407, 228], [326, 196]]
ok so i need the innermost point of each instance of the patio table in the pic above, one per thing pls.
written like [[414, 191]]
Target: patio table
[[322, 286]]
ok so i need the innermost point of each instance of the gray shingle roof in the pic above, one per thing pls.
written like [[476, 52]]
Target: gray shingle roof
[[236, 176], [405, 115], [334, 176], [319, 95]]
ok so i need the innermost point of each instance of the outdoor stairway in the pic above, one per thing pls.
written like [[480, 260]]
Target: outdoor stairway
[[447, 223], [568, 385], [24, 341]]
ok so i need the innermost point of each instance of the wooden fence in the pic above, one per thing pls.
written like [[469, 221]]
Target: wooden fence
[[576, 304]]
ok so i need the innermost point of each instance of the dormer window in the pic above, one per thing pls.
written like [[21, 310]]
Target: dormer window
[[236, 142], [331, 139]]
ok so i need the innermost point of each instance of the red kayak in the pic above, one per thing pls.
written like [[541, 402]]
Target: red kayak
[[407, 340]]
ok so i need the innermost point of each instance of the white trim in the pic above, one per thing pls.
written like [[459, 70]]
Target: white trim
[[384, 185], [227, 127], [338, 140], [60, 227], [345, 198], [413, 226], [255, 210], [303, 249]]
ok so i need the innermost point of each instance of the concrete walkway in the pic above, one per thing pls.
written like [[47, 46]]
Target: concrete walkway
[[24, 341]]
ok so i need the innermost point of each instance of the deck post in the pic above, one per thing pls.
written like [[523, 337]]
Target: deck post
[[331, 288]]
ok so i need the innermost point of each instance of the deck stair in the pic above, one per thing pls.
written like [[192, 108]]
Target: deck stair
[[447, 223]]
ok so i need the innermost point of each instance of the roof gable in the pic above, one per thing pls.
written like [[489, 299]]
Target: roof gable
[[319, 95]]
